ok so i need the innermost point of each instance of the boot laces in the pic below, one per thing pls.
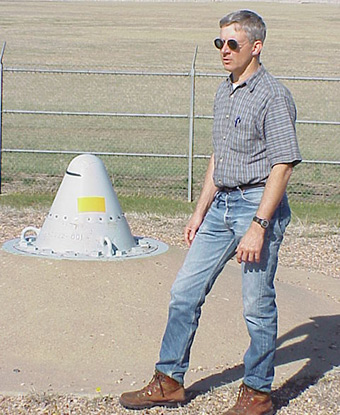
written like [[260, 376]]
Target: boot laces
[[155, 384], [244, 397]]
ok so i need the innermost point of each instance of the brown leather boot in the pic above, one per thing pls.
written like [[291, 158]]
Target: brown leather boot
[[161, 391], [251, 402]]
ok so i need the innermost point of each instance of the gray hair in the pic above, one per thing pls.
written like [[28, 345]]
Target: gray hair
[[249, 21]]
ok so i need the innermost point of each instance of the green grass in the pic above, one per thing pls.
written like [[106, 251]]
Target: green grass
[[315, 213], [161, 206], [301, 212], [24, 200], [139, 204]]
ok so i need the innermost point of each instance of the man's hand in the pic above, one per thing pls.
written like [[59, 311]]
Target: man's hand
[[192, 227], [250, 247]]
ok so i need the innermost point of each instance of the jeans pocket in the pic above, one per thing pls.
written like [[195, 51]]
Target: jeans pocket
[[253, 196]]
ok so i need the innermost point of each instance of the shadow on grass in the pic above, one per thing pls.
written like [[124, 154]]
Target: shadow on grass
[[316, 340]]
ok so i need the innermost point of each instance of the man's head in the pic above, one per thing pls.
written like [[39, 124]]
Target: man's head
[[241, 40], [248, 21]]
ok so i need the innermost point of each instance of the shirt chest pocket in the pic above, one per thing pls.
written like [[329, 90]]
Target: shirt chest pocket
[[244, 135]]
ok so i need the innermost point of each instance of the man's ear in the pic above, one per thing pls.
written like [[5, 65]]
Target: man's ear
[[257, 47]]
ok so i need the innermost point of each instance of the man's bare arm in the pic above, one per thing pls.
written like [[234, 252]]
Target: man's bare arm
[[250, 246], [204, 202]]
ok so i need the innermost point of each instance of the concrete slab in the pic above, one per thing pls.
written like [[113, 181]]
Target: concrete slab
[[75, 326]]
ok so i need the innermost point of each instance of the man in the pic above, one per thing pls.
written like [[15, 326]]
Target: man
[[242, 210]]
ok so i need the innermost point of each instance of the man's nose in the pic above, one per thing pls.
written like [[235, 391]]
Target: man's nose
[[226, 49]]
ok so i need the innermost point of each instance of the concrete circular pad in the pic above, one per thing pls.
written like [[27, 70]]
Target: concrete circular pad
[[76, 326]]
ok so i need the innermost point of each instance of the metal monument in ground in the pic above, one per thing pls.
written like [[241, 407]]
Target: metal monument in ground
[[85, 220]]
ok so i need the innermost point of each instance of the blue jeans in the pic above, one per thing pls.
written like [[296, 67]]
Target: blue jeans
[[227, 220]]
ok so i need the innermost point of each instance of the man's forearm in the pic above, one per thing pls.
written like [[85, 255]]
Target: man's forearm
[[208, 190], [204, 202], [275, 188], [250, 246]]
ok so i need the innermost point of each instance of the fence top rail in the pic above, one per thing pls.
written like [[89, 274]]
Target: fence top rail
[[156, 73], [94, 72]]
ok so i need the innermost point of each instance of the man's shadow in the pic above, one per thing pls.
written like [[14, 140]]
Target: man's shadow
[[317, 341]]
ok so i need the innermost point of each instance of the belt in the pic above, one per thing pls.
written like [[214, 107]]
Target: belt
[[242, 187]]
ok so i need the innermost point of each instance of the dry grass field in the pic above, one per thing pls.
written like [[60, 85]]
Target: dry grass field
[[152, 36], [302, 38]]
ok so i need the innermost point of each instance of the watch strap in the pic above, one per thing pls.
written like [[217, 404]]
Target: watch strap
[[264, 223]]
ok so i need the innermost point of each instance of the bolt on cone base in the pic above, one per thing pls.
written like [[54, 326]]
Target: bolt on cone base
[[145, 247]]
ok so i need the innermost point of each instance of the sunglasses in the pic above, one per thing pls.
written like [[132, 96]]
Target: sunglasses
[[232, 43]]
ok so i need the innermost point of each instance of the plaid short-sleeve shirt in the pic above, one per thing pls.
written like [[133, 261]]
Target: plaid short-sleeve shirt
[[254, 129]]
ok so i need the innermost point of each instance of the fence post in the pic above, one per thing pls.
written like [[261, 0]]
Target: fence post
[[191, 127], [1, 96]]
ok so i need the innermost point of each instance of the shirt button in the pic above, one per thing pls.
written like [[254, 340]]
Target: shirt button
[[224, 137], [227, 116], [221, 158]]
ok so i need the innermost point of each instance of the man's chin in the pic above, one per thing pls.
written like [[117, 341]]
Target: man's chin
[[227, 66]]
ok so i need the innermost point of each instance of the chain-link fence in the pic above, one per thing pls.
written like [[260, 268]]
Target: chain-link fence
[[152, 130]]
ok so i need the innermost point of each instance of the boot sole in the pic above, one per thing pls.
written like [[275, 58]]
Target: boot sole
[[168, 404]]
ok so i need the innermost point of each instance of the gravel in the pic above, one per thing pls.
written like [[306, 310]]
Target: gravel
[[309, 247], [318, 399]]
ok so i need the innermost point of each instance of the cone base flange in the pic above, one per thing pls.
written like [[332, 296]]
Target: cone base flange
[[145, 247]]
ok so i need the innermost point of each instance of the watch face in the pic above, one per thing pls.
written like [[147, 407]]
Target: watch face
[[264, 223]]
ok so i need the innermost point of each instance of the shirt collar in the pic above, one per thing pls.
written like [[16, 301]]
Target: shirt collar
[[251, 81]]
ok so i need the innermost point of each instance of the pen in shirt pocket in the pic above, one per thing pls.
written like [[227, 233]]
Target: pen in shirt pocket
[[237, 121]]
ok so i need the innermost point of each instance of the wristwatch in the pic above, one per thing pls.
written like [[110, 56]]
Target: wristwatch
[[263, 222]]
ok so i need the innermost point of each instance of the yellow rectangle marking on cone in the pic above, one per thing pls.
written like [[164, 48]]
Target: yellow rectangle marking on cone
[[91, 204]]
